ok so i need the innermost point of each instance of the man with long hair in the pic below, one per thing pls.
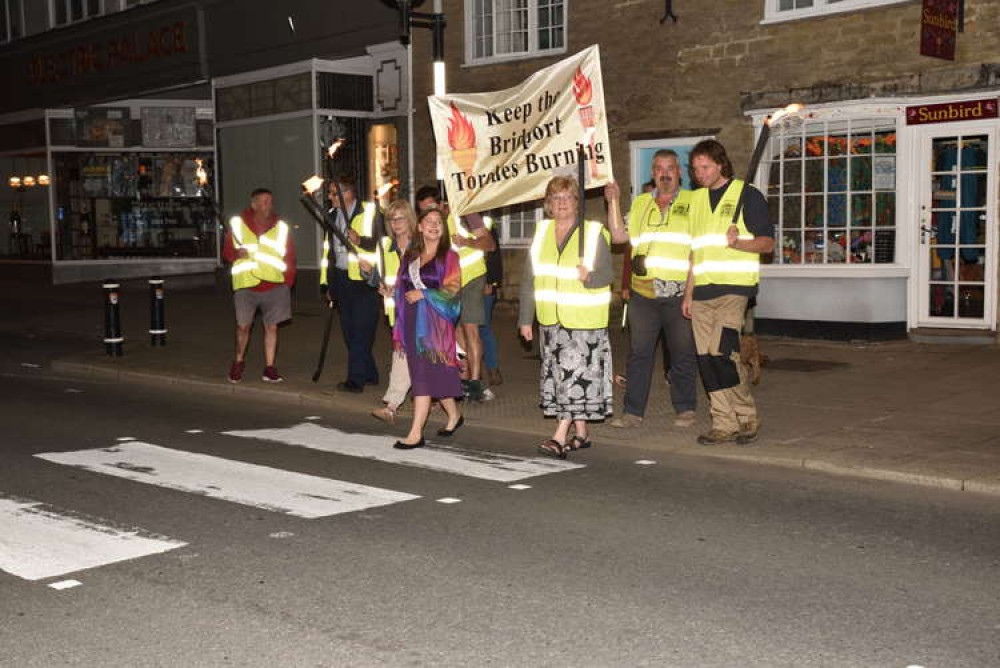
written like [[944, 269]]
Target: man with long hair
[[729, 231]]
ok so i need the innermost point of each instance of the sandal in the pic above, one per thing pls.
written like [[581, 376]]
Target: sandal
[[552, 448], [580, 443], [385, 414]]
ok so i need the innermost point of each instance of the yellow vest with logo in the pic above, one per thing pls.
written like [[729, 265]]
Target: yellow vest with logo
[[715, 263], [391, 274], [665, 240], [560, 296], [470, 259], [265, 261], [364, 224]]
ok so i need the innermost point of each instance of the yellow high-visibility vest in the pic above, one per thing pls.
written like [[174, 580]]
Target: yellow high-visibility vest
[[391, 274], [364, 224], [715, 263], [560, 296], [664, 240], [265, 261], [470, 259]]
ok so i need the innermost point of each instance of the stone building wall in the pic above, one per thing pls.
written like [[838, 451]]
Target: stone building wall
[[700, 75]]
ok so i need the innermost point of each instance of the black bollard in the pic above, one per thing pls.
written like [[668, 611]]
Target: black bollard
[[157, 319], [113, 338]]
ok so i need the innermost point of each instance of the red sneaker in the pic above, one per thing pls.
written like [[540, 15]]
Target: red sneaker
[[271, 375], [236, 372]]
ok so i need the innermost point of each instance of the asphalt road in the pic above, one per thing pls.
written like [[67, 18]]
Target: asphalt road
[[681, 562]]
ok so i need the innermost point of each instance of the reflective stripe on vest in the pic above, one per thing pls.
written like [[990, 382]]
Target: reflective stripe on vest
[[560, 296], [324, 262], [665, 239], [715, 263], [265, 261], [391, 274], [364, 225], [471, 260]]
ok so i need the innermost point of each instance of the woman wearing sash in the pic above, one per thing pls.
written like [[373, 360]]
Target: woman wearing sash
[[427, 309]]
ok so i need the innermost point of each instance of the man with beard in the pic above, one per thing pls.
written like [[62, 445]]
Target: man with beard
[[660, 238]]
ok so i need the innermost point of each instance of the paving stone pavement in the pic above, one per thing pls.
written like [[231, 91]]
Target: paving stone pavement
[[903, 411]]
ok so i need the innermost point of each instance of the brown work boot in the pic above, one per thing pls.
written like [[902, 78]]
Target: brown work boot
[[496, 378], [626, 421], [748, 432], [717, 437], [684, 419]]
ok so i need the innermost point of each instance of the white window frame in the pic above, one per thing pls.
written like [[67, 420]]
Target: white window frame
[[106, 7], [6, 8], [502, 218], [533, 50], [772, 13], [102, 10], [887, 110]]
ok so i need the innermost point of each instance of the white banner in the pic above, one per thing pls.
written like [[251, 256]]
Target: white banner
[[501, 148]]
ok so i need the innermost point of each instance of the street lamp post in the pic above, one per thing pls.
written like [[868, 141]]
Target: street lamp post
[[435, 22]]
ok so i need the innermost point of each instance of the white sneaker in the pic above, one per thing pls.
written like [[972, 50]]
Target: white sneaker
[[488, 395]]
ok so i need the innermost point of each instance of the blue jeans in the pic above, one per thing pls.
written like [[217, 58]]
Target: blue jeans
[[486, 333]]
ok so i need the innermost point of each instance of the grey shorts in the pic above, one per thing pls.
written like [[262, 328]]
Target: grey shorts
[[275, 305], [473, 311]]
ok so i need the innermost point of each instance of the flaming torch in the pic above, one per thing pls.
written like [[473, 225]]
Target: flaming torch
[[583, 91], [462, 139], [758, 151]]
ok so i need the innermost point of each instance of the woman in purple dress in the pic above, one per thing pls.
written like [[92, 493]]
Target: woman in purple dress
[[427, 290]]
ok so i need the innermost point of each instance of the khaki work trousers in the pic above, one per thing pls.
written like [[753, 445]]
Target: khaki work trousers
[[731, 406]]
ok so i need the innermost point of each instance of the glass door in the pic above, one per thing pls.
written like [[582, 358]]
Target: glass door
[[958, 214]]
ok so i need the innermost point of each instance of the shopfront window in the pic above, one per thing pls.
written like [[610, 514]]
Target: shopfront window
[[832, 192], [112, 205], [24, 200]]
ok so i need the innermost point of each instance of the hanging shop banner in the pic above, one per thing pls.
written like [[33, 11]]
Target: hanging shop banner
[[501, 148], [939, 21]]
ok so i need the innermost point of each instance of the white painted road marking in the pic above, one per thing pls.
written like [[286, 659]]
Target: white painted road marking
[[38, 543], [272, 489], [519, 487], [65, 584], [194, 431], [471, 463], [449, 499], [644, 462]]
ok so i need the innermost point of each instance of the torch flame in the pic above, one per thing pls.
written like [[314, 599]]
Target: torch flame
[[312, 185], [461, 134], [200, 173], [787, 111], [384, 188], [582, 89], [334, 147]]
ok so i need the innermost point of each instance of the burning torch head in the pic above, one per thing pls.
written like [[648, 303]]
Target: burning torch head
[[790, 110]]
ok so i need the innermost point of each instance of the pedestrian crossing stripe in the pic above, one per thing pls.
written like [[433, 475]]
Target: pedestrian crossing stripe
[[470, 463], [276, 490], [38, 542]]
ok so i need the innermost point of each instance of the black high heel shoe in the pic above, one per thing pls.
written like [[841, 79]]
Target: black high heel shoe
[[449, 432], [399, 445]]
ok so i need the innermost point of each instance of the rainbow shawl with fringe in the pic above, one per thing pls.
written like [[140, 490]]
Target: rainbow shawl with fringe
[[435, 315]]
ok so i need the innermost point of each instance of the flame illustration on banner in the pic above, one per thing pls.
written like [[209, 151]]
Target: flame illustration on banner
[[462, 139], [583, 91]]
